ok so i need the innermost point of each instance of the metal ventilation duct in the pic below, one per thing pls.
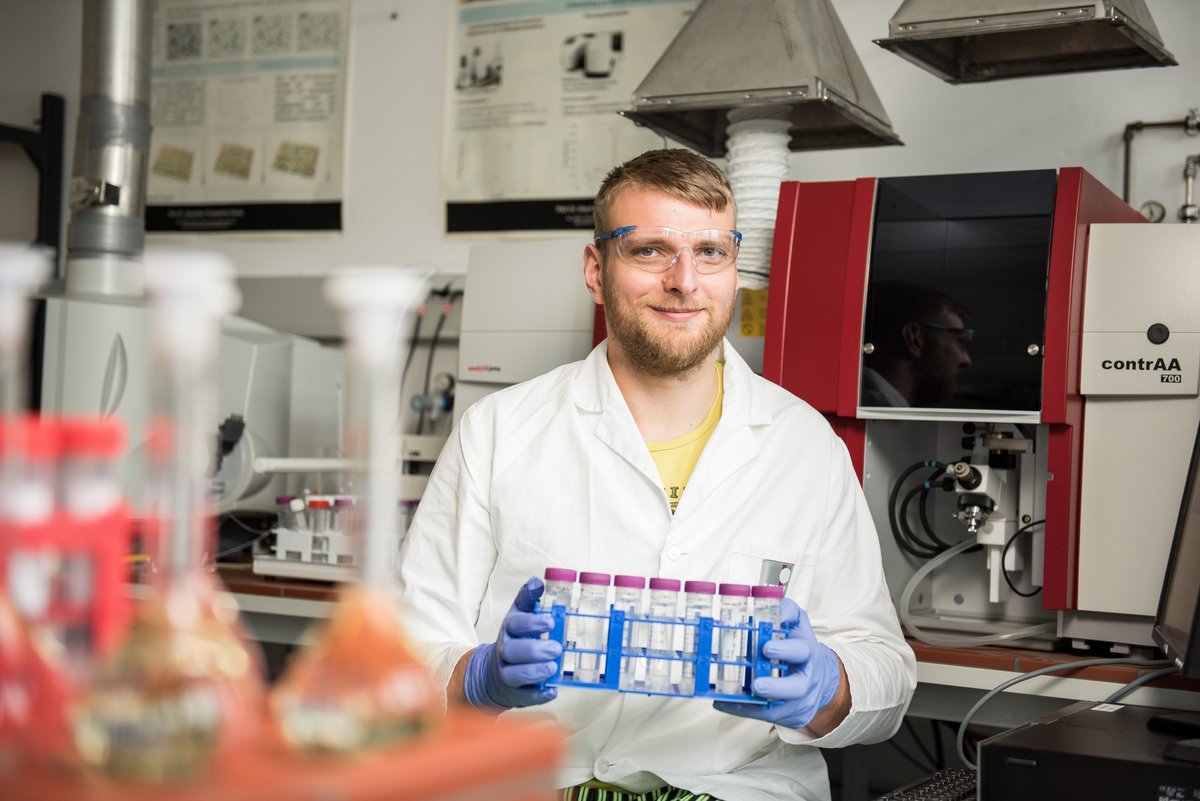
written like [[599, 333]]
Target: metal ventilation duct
[[738, 53], [106, 235], [968, 41]]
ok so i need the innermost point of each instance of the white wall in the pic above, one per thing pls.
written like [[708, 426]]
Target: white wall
[[393, 202]]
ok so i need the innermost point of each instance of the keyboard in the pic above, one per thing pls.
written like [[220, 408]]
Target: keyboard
[[952, 784]]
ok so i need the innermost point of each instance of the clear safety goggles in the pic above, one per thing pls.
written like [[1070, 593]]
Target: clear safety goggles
[[655, 249]]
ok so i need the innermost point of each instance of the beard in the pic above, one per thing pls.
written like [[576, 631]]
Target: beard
[[935, 385], [663, 353]]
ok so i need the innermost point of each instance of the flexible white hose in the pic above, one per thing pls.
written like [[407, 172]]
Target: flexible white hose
[[953, 641], [757, 151]]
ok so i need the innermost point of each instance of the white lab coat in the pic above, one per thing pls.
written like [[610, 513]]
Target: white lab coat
[[878, 391], [553, 472]]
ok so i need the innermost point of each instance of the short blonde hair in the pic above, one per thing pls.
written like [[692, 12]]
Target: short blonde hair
[[673, 171]]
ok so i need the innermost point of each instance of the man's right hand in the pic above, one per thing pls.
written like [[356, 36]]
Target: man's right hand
[[509, 672]]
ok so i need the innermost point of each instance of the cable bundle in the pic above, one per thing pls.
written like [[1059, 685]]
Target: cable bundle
[[905, 537]]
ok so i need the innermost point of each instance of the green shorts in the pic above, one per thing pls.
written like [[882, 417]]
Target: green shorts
[[599, 791]]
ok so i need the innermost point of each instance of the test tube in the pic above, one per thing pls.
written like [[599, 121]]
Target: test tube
[[627, 596], [299, 513], [560, 589], [766, 600], [697, 603], [664, 610], [342, 507], [286, 518], [318, 515], [731, 678], [560, 586], [593, 626], [319, 511]]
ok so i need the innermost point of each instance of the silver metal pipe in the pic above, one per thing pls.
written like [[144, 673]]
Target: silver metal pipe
[[268, 465], [1134, 128], [1190, 212], [106, 236]]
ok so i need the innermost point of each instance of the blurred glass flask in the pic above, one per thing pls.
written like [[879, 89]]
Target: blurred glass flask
[[184, 689], [360, 685]]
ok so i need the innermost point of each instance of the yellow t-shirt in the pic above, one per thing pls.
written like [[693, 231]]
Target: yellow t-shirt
[[676, 458]]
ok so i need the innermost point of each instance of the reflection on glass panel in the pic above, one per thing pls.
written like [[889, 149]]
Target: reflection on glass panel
[[956, 292]]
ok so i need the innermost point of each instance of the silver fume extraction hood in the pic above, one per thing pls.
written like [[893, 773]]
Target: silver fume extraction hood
[[742, 53], [967, 41]]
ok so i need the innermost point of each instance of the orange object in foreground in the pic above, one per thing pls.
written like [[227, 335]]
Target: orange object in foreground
[[470, 756], [359, 686], [35, 692]]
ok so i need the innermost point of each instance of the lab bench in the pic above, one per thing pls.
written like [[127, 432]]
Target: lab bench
[[277, 610], [950, 680]]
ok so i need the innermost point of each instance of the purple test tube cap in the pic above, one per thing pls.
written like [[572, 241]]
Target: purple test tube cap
[[559, 574]]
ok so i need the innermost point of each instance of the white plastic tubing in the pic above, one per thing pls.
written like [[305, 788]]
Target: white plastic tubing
[[955, 641], [757, 152]]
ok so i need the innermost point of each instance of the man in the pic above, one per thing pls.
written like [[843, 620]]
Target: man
[[561, 471], [920, 339]]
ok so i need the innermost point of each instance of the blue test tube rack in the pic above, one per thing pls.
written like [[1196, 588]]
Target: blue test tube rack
[[754, 664]]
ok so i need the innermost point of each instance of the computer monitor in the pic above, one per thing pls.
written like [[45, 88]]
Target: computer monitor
[[1177, 621]]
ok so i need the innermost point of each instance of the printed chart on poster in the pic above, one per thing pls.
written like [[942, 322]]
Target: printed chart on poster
[[534, 87], [247, 105]]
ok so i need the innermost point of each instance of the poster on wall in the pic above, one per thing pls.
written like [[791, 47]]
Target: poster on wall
[[534, 87], [247, 108]]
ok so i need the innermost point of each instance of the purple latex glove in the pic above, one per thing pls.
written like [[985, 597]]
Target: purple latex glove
[[509, 672], [812, 682]]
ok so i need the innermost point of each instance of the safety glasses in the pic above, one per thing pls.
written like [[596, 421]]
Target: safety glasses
[[655, 249]]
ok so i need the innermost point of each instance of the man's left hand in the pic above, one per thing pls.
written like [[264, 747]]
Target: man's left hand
[[814, 675]]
